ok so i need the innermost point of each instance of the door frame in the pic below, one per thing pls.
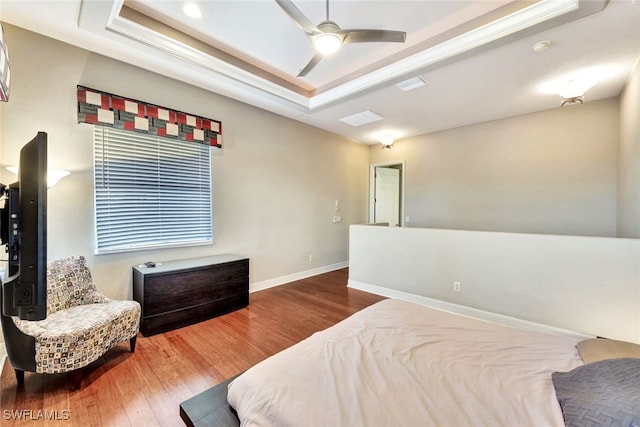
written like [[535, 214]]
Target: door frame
[[372, 188]]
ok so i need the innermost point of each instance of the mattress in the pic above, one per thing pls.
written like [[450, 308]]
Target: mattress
[[397, 363]]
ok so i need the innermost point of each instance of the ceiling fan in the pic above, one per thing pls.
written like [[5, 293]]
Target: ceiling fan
[[327, 36]]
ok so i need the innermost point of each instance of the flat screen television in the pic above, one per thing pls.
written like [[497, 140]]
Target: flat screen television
[[23, 231]]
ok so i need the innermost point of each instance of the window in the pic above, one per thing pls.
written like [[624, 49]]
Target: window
[[150, 191]]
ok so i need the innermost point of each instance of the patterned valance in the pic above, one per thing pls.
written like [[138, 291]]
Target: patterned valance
[[106, 109]]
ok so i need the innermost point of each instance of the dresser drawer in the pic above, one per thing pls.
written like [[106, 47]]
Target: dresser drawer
[[177, 298], [184, 317], [182, 282], [179, 293]]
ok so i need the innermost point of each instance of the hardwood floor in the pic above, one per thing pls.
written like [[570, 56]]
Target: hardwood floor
[[145, 388]]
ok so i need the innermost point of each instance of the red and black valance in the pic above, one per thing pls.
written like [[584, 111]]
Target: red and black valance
[[106, 109]]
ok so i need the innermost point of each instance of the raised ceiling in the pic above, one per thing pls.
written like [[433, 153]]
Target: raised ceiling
[[477, 56]]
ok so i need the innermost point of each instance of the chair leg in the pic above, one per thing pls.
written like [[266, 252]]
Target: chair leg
[[19, 376], [76, 378], [132, 343]]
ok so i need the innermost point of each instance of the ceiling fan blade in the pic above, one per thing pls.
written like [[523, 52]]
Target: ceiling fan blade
[[366, 36], [314, 61], [298, 17]]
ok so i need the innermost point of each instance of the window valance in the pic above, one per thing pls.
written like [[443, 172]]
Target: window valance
[[110, 110]]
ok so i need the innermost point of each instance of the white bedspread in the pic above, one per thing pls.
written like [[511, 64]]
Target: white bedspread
[[401, 364]]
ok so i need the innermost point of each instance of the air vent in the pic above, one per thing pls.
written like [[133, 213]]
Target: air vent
[[413, 83], [360, 119]]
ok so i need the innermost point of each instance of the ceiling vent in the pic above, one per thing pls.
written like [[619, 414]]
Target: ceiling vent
[[413, 83], [360, 119]]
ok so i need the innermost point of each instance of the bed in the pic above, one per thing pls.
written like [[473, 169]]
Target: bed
[[397, 363]]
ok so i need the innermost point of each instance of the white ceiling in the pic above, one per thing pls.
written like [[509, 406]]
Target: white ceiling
[[476, 55]]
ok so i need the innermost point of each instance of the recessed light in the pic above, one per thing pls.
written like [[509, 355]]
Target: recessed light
[[192, 10], [541, 46], [362, 118]]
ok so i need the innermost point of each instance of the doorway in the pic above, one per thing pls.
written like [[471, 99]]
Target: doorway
[[386, 198]]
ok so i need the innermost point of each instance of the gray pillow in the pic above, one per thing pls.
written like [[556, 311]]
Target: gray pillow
[[605, 393]]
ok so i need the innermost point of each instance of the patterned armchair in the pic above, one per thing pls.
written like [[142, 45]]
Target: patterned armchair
[[81, 325]]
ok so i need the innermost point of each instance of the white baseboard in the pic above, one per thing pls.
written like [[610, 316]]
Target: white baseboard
[[463, 310], [265, 284]]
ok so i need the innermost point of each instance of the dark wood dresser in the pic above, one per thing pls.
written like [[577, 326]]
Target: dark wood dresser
[[174, 294]]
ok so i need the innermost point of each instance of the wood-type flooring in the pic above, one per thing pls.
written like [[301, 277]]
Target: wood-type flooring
[[146, 388]]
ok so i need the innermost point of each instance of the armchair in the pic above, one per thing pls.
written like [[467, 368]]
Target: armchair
[[81, 325]]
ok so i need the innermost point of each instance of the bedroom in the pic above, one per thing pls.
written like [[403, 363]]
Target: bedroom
[[260, 211]]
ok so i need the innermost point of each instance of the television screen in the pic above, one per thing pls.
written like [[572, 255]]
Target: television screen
[[23, 230]]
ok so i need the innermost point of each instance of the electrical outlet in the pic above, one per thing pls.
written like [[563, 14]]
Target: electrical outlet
[[337, 218], [456, 286], [310, 257]]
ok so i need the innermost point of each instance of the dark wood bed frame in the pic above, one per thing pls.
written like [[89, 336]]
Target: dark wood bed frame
[[210, 408]]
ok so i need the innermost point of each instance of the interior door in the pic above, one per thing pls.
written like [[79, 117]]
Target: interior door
[[387, 195]]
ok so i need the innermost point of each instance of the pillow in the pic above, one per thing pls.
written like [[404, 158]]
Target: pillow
[[600, 393], [596, 349]]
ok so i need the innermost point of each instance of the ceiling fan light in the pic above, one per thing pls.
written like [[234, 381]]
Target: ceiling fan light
[[327, 43]]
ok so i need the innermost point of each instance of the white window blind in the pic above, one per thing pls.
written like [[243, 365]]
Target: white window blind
[[150, 191]]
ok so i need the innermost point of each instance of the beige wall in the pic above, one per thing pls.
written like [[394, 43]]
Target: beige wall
[[275, 181], [629, 159], [551, 172]]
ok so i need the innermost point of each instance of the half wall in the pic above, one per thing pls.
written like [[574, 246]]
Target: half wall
[[589, 285]]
